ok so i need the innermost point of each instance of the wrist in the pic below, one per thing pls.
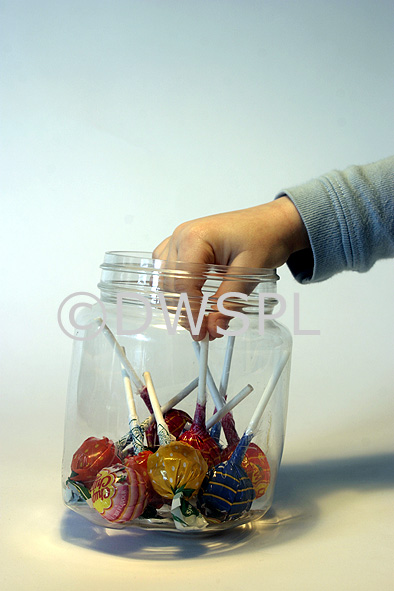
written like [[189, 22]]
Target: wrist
[[296, 235]]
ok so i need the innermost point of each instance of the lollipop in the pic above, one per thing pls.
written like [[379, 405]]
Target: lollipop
[[227, 492], [139, 463], [256, 466], [197, 436], [176, 470], [93, 455], [219, 400], [119, 493], [176, 421], [139, 459], [176, 466]]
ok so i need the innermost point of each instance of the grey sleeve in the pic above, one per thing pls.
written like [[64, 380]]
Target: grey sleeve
[[349, 217]]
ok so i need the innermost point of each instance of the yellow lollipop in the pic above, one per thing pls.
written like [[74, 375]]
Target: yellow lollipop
[[176, 467]]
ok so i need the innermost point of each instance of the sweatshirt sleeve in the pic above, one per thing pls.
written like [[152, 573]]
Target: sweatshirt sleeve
[[349, 217]]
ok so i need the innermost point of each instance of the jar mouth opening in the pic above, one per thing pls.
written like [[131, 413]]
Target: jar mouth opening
[[143, 261]]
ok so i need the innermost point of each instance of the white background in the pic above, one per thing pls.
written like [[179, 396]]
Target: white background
[[121, 119]]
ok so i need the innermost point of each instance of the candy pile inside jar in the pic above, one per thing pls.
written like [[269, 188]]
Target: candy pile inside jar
[[173, 461]]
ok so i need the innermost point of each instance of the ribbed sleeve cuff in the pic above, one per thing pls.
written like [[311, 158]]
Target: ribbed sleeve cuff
[[324, 220], [349, 217]]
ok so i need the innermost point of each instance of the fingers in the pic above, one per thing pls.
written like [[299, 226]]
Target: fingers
[[249, 238], [185, 253], [161, 250]]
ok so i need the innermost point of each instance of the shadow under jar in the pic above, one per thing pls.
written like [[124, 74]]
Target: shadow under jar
[[118, 471]]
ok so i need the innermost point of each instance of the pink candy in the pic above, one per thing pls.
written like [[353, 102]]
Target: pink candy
[[119, 493]]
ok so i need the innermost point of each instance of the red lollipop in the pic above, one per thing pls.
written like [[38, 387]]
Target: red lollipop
[[93, 455], [139, 463], [197, 436], [176, 421]]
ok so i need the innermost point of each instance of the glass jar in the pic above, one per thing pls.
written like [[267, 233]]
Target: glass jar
[[120, 480]]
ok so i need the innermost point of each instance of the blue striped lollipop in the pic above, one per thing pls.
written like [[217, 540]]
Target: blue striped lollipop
[[227, 492]]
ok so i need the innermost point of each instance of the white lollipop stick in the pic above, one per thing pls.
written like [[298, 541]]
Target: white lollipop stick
[[135, 429], [229, 406], [266, 396], [171, 403], [218, 401], [202, 376], [121, 355], [162, 429], [226, 367], [136, 433]]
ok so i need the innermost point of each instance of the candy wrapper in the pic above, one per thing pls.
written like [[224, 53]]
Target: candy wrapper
[[198, 437], [119, 494], [176, 421], [256, 466], [176, 471], [227, 492], [140, 464], [93, 455]]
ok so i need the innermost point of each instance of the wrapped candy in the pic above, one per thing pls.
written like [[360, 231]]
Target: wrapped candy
[[139, 463], [198, 437], [176, 470], [119, 493], [93, 455], [256, 466], [176, 421], [176, 466], [227, 492]]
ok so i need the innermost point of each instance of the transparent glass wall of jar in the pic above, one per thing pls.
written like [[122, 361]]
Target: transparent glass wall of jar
[[132, 288]]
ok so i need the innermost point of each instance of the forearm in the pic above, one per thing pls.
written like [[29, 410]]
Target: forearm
[[349, 218]]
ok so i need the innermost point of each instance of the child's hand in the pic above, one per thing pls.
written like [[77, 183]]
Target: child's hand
[[258, 237]]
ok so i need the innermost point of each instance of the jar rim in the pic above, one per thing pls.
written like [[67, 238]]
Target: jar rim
[[143, 261]]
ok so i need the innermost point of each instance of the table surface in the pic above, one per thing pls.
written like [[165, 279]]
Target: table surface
[[331, 526]]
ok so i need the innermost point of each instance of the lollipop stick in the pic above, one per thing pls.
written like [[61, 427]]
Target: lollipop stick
[[229, 406], [243, 444], [266, 396], [229, 422], [203, 367], [226, 366], [162, 429], [121, 355], [171, 403], [199, 413], [180, 396], [135, 429], [218, 401]]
